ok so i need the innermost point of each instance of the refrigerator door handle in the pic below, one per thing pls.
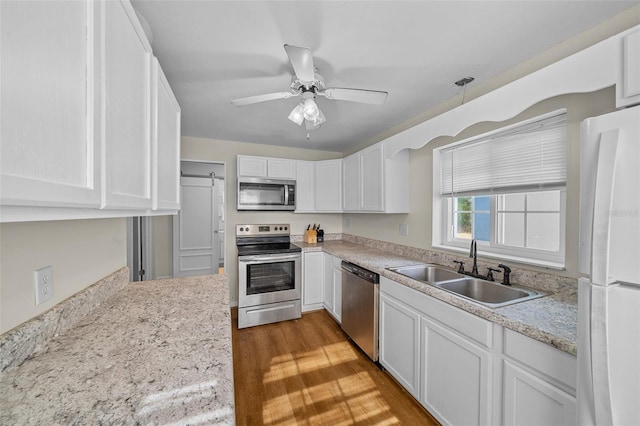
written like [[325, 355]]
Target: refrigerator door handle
[[602, 207], [600, 369]]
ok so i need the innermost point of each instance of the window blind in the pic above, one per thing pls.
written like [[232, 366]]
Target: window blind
[[526, 158]]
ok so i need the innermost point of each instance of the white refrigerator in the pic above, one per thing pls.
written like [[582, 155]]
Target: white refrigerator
[[608, 390]]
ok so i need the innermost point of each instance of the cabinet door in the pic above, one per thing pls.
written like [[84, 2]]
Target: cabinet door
[[372, 175], [312, 280], [127, 109], [305, 187], [628, 85], [252, 166], [337, 290], [455, 376], [278, 168], [49, 143], [530, 400], [329, 185], [328, 298], [399, 343], [165, 143], [351, 183]]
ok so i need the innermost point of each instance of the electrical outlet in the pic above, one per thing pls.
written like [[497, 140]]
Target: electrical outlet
[[347, 222], [403, 229], [43, 284]]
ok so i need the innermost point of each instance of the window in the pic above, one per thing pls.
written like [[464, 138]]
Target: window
[[506, 190]]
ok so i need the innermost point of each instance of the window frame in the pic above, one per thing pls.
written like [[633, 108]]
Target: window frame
[[492, 248], [442, 215]]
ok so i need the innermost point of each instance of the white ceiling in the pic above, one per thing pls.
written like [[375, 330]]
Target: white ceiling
[[215, 51]]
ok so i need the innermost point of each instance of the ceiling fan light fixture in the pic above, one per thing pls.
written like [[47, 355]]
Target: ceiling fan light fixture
[[297, 114], [317, 121], [311, 110]]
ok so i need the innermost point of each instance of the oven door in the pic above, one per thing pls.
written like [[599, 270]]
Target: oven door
[[268, 278]]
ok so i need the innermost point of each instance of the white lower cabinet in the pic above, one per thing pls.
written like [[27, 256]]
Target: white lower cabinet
[[333, 286], [539, 383], [399, 347], [455, 376], [312, 280], [531, 400], [466, 370]]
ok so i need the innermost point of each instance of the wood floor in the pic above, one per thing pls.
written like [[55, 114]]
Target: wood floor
[[307, 372]]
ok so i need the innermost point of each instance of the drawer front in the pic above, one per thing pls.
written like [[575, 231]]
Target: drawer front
[[554, 363]]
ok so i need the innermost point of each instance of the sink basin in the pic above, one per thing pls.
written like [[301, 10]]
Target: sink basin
[[488, 293], [428, 273]]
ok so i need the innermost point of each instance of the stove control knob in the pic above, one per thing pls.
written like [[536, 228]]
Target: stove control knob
[[285, 228], [241, 229]]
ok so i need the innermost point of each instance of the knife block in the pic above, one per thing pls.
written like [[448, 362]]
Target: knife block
[[310, 236]]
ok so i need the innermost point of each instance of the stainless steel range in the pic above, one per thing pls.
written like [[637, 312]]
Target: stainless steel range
[[269, 275]]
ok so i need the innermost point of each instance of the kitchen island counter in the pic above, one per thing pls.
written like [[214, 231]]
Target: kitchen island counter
[[156, 352], [551, 319]]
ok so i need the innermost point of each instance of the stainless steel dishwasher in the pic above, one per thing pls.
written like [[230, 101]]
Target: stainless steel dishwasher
[[360, 295]]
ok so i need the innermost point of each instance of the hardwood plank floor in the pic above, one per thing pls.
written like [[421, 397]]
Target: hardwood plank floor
[[307, 372]]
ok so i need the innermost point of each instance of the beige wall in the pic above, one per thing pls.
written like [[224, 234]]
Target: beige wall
[[227, 152], [385, 227], [80, 251]]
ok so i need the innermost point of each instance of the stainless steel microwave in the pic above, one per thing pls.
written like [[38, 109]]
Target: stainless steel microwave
[[266, 194]]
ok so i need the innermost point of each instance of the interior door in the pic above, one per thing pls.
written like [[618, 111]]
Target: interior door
[[195, 251]]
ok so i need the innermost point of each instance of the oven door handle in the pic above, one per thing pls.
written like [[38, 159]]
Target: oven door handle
[[267, 258]]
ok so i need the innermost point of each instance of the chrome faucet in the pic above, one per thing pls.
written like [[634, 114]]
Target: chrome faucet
[[473, 253]]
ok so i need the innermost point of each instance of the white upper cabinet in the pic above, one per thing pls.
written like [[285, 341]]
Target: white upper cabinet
[[374, 183], [126, 109], [351, 183], [305, 187], [628, 85], [49, 141], [272, 168], [328, 186], [165, 142], [77, 138]]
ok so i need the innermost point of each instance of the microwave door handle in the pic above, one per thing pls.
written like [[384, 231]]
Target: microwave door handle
[[286, 194]]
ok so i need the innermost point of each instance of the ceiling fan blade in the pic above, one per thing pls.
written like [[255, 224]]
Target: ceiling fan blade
[[374, 97], [262, 98], [301, 60]]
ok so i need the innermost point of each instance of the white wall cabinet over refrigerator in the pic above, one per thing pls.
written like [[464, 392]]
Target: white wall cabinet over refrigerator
[[82, 143], [628, 84], [376, 184]]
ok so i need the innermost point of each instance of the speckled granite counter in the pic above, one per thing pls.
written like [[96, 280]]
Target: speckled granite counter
[[551, 319], [157, 352]]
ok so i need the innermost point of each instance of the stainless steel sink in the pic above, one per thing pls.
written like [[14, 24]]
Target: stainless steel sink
[[489, 293], [428, 273]]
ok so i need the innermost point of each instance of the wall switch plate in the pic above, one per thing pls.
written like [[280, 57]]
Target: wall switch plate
[[43, 284], [403, 229]]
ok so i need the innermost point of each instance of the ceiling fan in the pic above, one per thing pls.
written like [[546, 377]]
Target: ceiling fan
[[308, 84]]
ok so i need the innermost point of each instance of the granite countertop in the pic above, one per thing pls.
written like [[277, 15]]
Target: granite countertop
[[156, 352], [551, 319]]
